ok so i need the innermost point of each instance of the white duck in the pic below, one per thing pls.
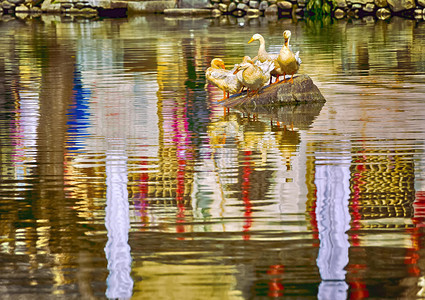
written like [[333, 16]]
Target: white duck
[[263, 56], [289, 61], [224, 79], [253, 75]]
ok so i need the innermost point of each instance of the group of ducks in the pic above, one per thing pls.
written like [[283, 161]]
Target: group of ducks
[[255, 73]]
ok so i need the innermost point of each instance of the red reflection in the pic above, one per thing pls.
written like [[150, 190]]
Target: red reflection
[[355, 200], [182, 142], [246, 184], [313, 221], [358, 289], [412, 255], [275, 284], [419, 208], [140, 203], [180, 197]]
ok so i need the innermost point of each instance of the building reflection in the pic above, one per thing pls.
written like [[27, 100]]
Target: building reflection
[[141, 150]]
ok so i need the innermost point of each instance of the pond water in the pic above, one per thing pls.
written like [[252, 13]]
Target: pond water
[[122, 177]]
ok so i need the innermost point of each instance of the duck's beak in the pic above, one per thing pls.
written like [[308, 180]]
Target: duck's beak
[[236, 71], [222, 66], [251, 40]]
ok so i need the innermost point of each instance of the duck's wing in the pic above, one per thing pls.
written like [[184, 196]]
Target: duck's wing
[[219, 74], [273, 56], [266, 67]]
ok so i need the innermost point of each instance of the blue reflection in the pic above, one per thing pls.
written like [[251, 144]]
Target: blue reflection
[[333, 220], [78, 113], [117, 222]]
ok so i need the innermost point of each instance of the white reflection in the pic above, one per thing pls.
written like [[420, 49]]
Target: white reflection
[[333, 220], [117, 222], [25, 135]]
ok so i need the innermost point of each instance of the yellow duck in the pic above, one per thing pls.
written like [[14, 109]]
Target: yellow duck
[[289, 61], [224, 79], [253, 76], [263, 56]]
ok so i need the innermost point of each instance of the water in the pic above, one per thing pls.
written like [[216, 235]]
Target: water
[[122, 177]]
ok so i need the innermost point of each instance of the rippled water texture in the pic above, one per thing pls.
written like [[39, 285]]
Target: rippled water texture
[[121, 175]]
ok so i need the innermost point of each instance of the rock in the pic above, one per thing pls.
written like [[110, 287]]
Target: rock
[[285, 5], [67, 5], [253, 13], [339, 13], [271, 10], [16, 2], [263, 5], [303, 90], [6, 5], [215, 13], [271, 2], [88, 11], [383, 13], [242, 6], [363, 2], [381, 3], [370, 7], [253, 4], [226, 1], [186, 11], [356, 6], [400, 5], [35, 10], [22, 9], [149, 6], [341, 3], [418, 11], [222, 7], [231, 7], [421, 3]]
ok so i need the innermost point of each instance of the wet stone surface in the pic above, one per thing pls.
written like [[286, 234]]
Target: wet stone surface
[[302, 90]]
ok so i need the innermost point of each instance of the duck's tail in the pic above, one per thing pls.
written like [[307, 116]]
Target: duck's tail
[[297, 57]]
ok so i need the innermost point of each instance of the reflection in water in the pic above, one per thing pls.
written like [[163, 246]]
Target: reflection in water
[[117, 222], [108, 124], [333, 221]]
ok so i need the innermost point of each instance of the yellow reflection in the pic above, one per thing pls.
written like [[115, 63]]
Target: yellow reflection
[[167, 281]]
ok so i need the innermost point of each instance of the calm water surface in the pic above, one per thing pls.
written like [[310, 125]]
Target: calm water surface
[[121, 176]]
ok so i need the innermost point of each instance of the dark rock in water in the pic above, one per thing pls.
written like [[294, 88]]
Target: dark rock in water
[[303, 90]]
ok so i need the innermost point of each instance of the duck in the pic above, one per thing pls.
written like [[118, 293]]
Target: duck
[[224, 79], [263, 56], [253, 75], [288, 61]]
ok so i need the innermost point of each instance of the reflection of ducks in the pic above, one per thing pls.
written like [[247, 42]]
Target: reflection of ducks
[[252, 134], [288, 61], [253, 76], [225, 127], [263, 56], [222, 78]]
